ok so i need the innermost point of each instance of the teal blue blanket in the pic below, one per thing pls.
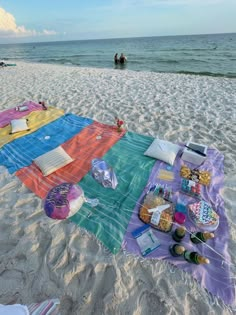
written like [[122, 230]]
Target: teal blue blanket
[[109, 220]]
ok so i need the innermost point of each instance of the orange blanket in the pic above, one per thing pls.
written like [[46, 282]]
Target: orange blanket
[[92, 142]]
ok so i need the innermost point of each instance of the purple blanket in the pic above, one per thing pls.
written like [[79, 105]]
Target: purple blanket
[[216, 276], [9, 114]]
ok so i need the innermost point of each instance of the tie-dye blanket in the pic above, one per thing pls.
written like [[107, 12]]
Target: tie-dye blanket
[[9, 114]]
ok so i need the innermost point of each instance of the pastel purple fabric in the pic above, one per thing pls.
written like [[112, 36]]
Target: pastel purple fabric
[[9, 114], [215, 277]]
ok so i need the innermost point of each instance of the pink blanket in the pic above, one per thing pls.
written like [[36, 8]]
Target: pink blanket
[[9, 114]]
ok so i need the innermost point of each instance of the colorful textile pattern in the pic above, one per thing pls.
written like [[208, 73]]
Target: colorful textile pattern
[[215, 277], [22, 151], [114, 219], [35, 121], [93, 141], [48, 307], [203, 216], [9, 114], [109, 220]]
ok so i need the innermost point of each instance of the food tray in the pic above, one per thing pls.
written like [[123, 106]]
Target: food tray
[[166, 216]]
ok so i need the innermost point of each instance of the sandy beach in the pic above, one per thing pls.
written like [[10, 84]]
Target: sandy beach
[[42, 258]]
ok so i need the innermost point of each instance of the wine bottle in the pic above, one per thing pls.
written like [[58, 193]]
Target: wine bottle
[[179, 234], [195, 258], [176, 250], [200, 237]]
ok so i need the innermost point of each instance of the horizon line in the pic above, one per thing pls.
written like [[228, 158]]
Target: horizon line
[[110, 38]]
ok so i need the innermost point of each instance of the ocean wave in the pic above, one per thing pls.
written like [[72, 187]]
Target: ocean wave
[[207, 73], [188, 49], [62, 61], [169, 61]]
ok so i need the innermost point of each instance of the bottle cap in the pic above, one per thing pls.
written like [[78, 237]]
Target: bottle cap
[[208, 235], [179, 217], [176, 250], [204, 260], [181, 230], [179, 249]]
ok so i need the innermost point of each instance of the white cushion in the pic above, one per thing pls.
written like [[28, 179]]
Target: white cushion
[[53, 160], [19, 125], [163, 150]]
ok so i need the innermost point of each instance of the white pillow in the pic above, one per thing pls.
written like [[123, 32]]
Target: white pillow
[[53, 160], [19, 125], [163, 150]]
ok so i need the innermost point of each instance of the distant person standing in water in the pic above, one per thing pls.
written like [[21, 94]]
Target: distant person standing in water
[[123, 59], [2, 63], [116, 59]]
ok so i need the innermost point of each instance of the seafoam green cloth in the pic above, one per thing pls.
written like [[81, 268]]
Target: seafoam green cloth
[[109, 220]]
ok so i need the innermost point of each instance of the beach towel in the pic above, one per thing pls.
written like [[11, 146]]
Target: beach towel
[[215, 277], [108, 221], [48, 307], [9, 114], [93, 141], [36, 119], [116, 216], [22, 151]]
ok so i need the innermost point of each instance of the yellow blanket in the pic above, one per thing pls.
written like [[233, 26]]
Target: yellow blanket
[[35, 121]]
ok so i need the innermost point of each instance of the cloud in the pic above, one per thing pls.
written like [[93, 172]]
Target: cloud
[[9, 28], [47, 32]]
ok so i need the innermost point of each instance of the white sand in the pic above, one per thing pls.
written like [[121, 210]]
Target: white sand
[[41, 258]]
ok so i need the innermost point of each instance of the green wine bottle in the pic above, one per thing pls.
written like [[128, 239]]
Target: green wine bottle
[[176, 250], [200, 237], [179, 234], [195, 258]]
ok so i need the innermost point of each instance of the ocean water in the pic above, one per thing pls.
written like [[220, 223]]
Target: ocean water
[[213, 55]]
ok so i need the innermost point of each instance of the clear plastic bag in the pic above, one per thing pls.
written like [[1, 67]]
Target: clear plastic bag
[[103, 173]]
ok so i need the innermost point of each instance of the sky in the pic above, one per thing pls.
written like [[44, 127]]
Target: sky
[[58, 20]]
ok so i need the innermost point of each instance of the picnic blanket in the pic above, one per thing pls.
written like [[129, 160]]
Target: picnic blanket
[[93, 141], [22, 151], [109, 220], [36, 119], [115, 217], [9, 114], [215, 277]]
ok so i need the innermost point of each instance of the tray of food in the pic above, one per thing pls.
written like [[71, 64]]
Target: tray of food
[[157, 212]]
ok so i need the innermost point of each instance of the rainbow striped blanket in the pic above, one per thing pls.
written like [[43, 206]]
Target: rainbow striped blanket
[[114, 219]]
